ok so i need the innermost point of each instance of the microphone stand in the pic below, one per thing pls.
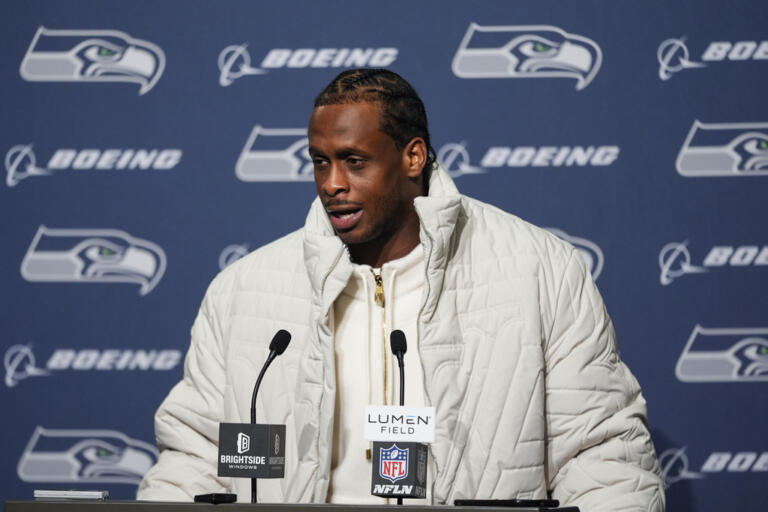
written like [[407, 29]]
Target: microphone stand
[[401, 364], [272, 355], [276, 347]]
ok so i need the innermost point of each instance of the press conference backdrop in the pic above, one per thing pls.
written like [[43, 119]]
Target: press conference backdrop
[[148, 144]]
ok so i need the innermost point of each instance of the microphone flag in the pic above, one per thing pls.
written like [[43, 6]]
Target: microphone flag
[[251, 451]]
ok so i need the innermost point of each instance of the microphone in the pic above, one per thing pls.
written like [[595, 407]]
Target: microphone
[[399, 347], [277, 346], [254, 450], [399, 467]]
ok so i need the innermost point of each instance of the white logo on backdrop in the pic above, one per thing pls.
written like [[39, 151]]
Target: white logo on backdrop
[[85, 457], [19, 362], [673, 57], [673, 54], [92, 56], [455, 160], [590, 252], [21, 163], [93, 256], [231, 254], [275, 154], [526, 51], [724, 149], [724, 355], [235, 60], [675, 259], [674, 466]]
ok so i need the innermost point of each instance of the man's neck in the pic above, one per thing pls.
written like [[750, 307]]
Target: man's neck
[[378, 252]]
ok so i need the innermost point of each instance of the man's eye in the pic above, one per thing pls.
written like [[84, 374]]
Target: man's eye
[[355, 162]]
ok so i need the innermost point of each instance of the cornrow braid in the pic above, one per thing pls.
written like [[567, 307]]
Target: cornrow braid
[[402, 112]]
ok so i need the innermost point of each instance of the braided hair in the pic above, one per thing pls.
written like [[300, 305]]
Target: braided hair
[[401, 111]]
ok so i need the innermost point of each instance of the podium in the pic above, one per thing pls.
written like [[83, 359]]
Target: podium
[[158, 506]]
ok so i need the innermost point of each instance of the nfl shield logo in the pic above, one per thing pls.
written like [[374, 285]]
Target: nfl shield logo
[[393, 463]]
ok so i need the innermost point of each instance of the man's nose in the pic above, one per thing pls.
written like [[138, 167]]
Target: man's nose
[[336, 182]]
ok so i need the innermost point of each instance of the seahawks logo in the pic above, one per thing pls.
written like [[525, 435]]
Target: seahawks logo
[[275, 154], [92, 56], [724, 355], [526, 51], [93, 256], [85, 456], [589, 251], [724, 149]]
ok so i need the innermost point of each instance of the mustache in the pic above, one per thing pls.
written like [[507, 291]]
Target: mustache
[[340, 202]]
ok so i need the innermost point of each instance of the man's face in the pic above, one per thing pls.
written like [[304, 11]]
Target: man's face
[[361, 177]]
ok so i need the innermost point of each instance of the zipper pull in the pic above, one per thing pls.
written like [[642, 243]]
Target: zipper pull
[[379, 294]]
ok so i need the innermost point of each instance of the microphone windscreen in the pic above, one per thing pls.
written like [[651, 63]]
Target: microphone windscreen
[[397, 341], [280, 341]]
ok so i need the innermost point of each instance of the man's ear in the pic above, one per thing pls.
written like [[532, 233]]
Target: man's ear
[[414, 157]]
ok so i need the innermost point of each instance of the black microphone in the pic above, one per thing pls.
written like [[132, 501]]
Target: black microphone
[[400, 468], [399, 347], [251, 450], [276, 347]]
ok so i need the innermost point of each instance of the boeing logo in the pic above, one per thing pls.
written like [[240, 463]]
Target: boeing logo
[[235, 61], [21, 163], [724, 149], [455, 157], [675, 465], [526, 51], [724, 355], [675, 259], [20, 363], [673, 54], [455, 160], [93, 256], [92, 56]]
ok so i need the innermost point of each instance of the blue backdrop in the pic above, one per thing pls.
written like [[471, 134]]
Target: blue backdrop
[[148, 144]]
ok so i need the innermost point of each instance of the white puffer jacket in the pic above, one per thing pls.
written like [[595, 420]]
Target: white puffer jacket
[[519, 359]]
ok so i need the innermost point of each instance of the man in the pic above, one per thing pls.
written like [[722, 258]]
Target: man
[[508, 337]]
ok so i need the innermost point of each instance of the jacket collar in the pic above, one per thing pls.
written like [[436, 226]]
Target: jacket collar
[[327, 261]]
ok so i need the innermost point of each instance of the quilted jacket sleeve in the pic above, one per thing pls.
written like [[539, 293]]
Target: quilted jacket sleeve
[[600, 455], [186, 423]]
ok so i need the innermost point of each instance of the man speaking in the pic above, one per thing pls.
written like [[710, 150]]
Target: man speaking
[[508, 336]]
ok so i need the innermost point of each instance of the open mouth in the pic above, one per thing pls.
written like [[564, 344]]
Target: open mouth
[[345, 219]]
